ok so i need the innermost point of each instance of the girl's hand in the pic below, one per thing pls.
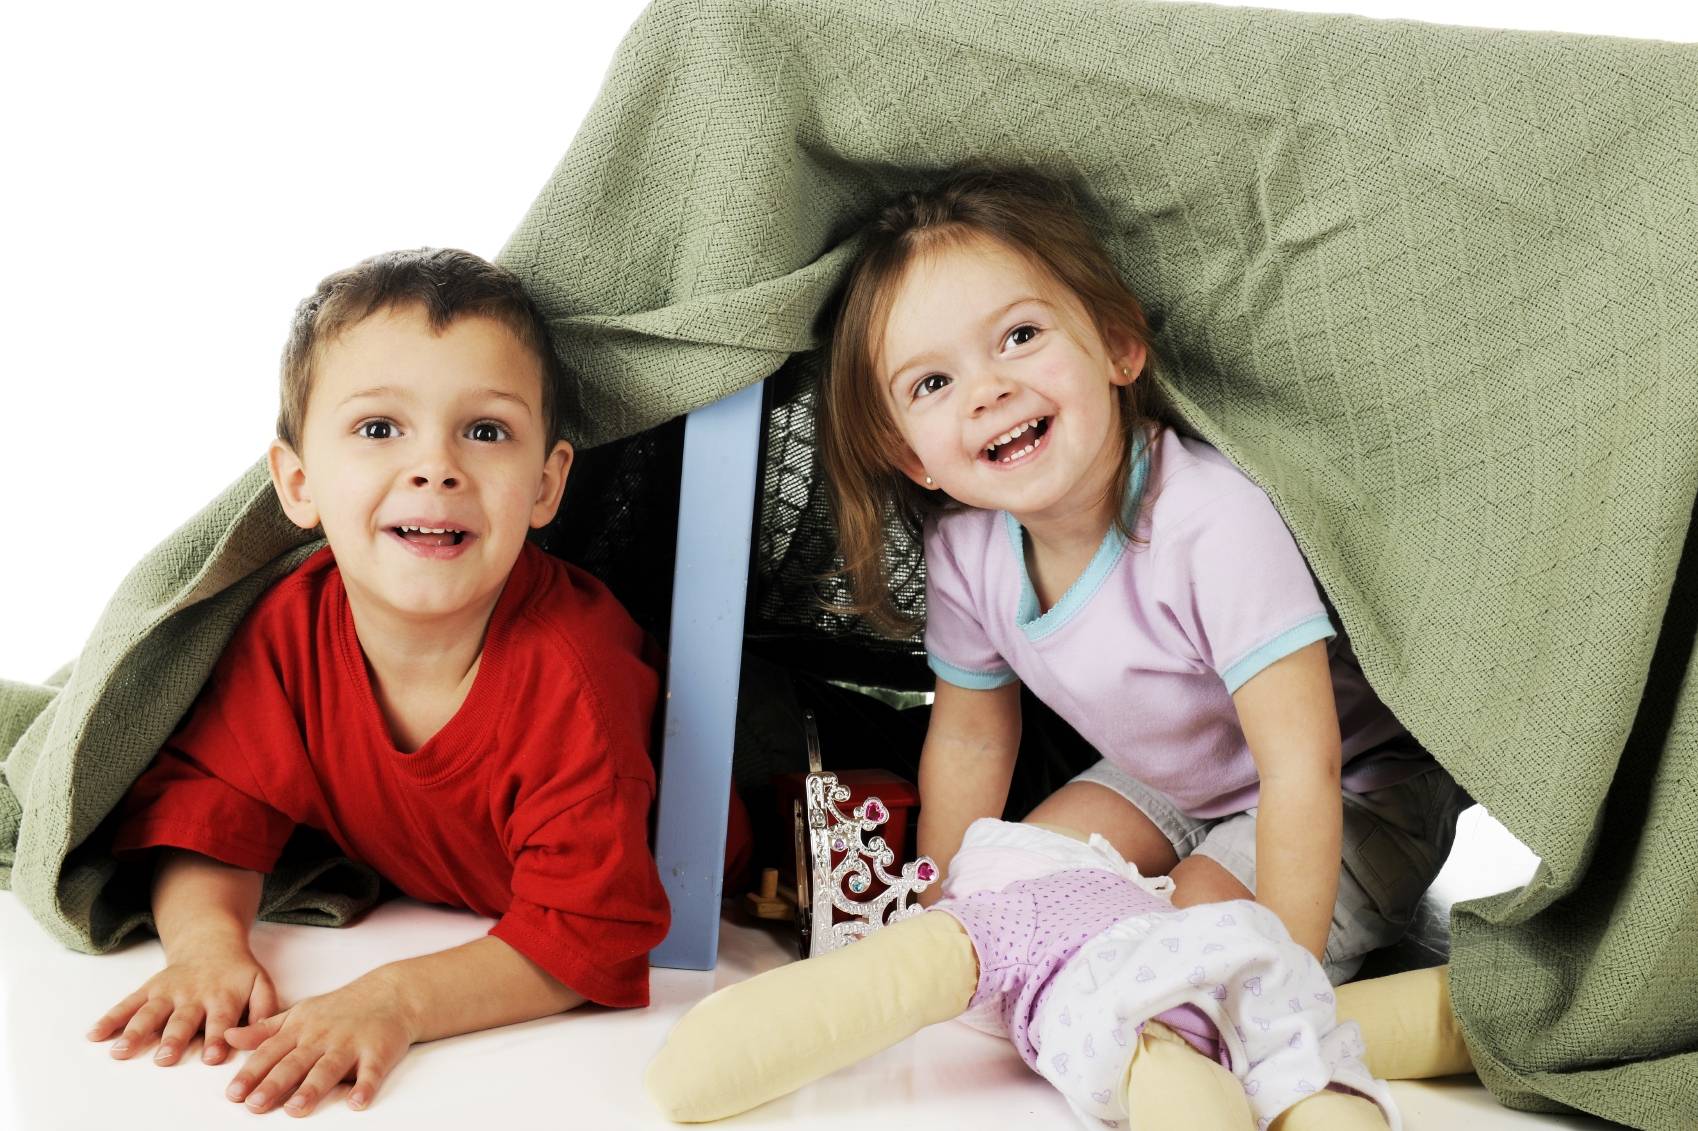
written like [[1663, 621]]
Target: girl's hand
[[204, 988], [301, 1054]]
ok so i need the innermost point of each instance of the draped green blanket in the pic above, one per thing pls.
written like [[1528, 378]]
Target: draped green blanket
[[1435, 289]]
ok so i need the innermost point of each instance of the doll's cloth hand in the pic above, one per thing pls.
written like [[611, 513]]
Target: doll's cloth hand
[[204, 989], [304, 1052]]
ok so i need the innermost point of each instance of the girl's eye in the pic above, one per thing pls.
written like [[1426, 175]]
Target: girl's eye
[[487, 432], [376, 430], [1022, 334], [930, 384]]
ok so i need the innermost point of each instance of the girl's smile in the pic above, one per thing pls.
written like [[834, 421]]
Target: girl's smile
[[1018, 446]]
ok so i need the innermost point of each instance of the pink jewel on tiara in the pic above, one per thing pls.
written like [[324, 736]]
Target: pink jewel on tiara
[[823, 830]]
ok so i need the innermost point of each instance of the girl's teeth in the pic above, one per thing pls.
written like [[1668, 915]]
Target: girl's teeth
[[1012, 434], [1022, 453]]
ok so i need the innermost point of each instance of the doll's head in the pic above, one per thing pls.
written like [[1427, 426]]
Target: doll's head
[[986, 354]]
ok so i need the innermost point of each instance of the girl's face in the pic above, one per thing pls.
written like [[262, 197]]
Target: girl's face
[[1001, 387]]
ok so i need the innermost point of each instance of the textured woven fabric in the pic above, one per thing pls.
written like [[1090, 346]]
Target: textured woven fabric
[[1434, 289]]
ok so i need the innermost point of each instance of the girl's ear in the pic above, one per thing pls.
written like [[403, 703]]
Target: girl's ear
[[289, 480], [909, 464], [1126, 358]]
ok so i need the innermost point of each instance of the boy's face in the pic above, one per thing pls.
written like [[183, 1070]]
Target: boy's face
[[409, 431]]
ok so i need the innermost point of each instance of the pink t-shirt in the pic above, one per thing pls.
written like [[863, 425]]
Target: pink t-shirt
[[1142, 654]]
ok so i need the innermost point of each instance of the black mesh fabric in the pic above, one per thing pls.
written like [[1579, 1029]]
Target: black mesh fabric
[[794, 615]]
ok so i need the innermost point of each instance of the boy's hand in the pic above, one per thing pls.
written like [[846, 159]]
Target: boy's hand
[[301, 1054], [205, 988]]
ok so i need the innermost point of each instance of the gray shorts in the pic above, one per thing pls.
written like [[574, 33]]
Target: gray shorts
[[1395, 841]]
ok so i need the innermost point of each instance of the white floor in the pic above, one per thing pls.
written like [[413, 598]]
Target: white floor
[[581, 1070]]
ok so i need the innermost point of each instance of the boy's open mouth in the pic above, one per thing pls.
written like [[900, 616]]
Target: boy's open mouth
[[1018, 442], [431, 535]]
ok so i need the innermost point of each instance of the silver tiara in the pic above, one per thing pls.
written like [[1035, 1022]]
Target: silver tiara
[[824, 833]]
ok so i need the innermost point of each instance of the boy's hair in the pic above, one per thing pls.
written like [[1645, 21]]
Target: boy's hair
[[446, 284], [1035, 217]]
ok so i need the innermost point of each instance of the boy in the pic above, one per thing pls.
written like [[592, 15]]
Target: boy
[[453, 706]]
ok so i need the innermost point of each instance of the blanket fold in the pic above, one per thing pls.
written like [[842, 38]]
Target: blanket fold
[[1435, 289]]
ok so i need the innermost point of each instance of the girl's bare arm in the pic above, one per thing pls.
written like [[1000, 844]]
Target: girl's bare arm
[[1290, 721], [965, 766]]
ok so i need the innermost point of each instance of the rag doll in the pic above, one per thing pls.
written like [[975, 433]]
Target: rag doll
[[1141, 1014]]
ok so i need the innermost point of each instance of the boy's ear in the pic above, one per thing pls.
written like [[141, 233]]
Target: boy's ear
[[553, 486], [289, 480]]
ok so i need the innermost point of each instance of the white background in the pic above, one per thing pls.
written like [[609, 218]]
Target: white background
[[174, 177]]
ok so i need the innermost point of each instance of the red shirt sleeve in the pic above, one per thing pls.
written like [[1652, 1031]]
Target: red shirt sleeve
[[200, 793], [587, 901]]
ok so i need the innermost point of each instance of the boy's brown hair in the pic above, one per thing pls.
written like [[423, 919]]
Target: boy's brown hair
[[1035, 217], [446, 284]]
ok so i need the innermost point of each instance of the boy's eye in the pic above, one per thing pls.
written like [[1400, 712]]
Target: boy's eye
[[1022, 334], [487, 432], [930, 384], [376, 429]]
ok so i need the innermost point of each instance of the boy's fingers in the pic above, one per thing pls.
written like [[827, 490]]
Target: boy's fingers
[[256, 1033], [138, 1034], [218, 1019], [282, 1079], [263, 1001], [179, 1031], [324, 1077], [254, 1068], [367, 1082], [113, 1019]]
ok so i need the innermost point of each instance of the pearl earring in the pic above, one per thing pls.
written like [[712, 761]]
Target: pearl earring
[[929, 482], [1125, 372]]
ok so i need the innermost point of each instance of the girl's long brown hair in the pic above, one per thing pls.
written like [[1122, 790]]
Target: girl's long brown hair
[[1032, 215]]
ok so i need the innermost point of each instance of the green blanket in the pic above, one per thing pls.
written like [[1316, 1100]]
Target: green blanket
[[1435, 289]]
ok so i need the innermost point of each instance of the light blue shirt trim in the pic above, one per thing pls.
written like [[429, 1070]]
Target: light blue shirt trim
[[971, 680], [1036, 626], [1317, 627]]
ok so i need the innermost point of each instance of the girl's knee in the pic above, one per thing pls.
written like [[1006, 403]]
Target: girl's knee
[[1082, 808], [1202, 879]]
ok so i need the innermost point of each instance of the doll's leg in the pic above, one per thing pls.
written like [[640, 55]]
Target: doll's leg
[[1332, 1111], [1171, 1084], [1408, 1024], [766, 1037]]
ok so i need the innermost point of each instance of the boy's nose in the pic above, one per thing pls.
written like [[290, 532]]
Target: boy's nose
[[446, 482]]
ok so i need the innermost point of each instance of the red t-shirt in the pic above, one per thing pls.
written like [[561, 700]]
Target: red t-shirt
[[530, 805]]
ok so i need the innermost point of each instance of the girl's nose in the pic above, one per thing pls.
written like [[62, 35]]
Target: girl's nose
[[990, 390]]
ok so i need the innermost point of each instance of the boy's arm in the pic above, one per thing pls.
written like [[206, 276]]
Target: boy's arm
[[1290, 721], [366, 1027], [965, 766], [202, 910]]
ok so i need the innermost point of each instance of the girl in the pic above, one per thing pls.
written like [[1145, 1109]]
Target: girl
[[988, 386]]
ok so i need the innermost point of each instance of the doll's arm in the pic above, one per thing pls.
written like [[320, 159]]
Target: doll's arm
[[766, 1037]]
